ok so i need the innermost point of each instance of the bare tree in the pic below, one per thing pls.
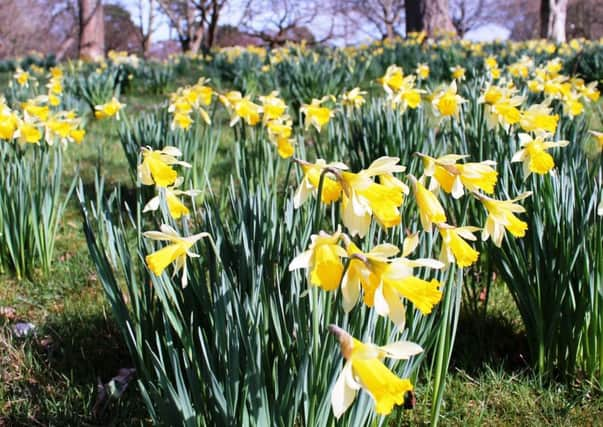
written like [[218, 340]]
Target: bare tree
[[195, 21], [40, 25], [384, 15], [146, 11], [275, 22], [467, 15], [431, 16], [92, 29], [553, 15]]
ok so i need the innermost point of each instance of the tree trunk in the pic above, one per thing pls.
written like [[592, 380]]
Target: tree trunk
[[553, 14], [92, 30], [389, 28], [431, 16], [414, 22]]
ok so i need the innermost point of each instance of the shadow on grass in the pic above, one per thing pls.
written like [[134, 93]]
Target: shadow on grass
[[63, 365], [490, 340]]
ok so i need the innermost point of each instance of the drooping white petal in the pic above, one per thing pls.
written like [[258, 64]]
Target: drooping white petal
[[342, 395], [401, 350], [152, 205], [301, 261]]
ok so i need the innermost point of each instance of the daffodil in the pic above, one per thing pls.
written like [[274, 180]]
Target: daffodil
[[447, 102], [176, 252], [423, 71], [172, 198], [534, 156], [453, 176], [22, 77], [317, 115], [331, 187], [538, 118], [364, 198], [9, 122], [407, 95], [28, 132], [322, 260], [430, 209], [454, 246], [110, 109], [245, 109], [279, 133], [364, 369], [354, 98], [392, 80], [458, 72], [156, 167], [273, 107], [33, 109], [385, 281], [501, 216]]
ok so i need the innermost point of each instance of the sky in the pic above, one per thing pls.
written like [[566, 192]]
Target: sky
[[233, 14]]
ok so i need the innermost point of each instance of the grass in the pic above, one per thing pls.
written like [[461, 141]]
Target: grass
[[51, 377]]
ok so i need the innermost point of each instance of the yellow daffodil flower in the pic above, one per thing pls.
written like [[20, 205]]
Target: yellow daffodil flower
[[453, 176], [273, 107], [176, 252], [364, 369], [331, 187], [455, 248], [322, 260], [364, 198], [458, 73], [110, 109], [423, 71], [447, 102], [156, 167], [245, 109], [316, 115], [534, 155], [408, 95], [392, 80], [172, 194], [430, 209], [9, 123], [22, 77], [385, 281], [538, 118], [279, 133], [29, 133], [501, 216], [354, 98]]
